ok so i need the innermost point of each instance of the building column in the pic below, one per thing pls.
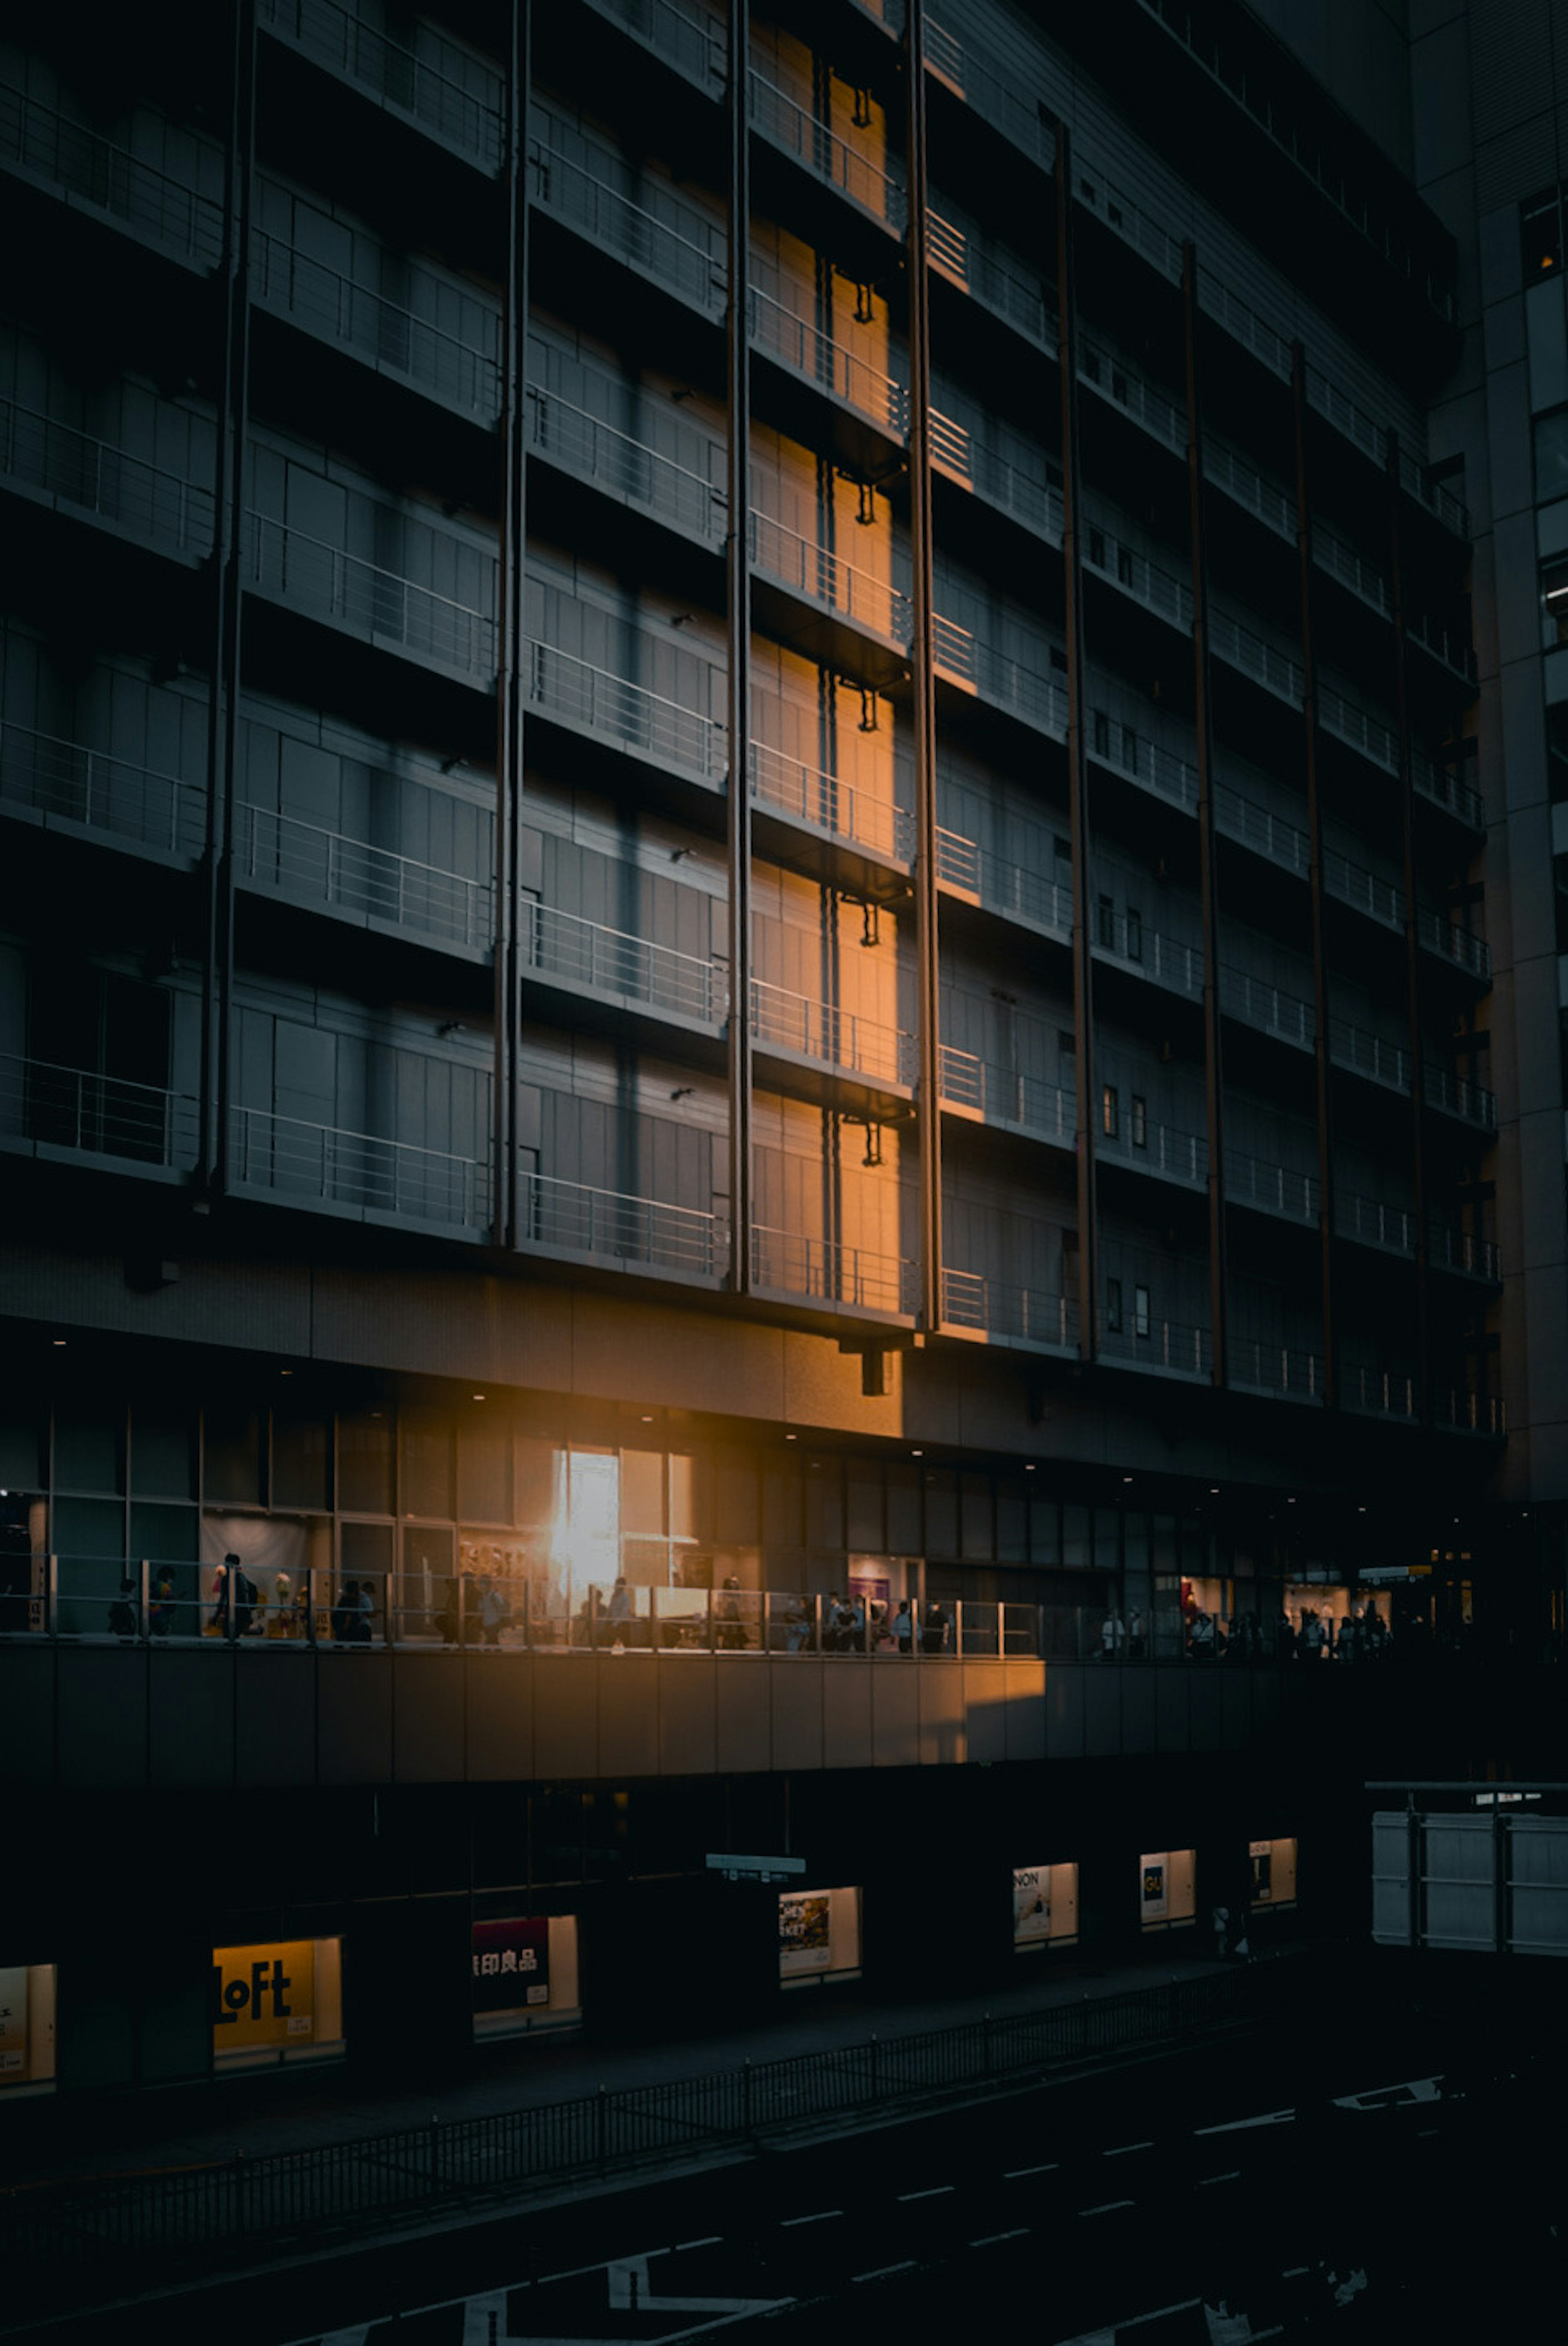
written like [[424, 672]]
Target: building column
[[1315, 833], [738, 620]]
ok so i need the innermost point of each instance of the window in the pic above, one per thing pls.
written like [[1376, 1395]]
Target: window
[[1129, 750], [1110, 1116], [1102, 734], [1125, 565], [1097, 548], [1140, 1311], [1550, 455], [1067, 1062], [1113, 1306], [1140, 1121], [1134, 934], [1541, 230], [1554, 600], [1105, 921]]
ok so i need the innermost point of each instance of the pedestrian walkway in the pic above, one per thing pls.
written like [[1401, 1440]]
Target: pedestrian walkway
[[194, 2126]]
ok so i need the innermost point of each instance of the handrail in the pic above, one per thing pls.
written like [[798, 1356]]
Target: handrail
[[695, 43], [111, 177], [1003, 1096], [159, 506], [1258, 1001], [592, 449], [66, 782], [1265, 662], [606, 703], [1029, 695], [293, 1156], [811, 351], [587, 952], [1134, 574], [388, 333], [1035, 503], [1023, 1315], [969, 66], [1271, 1188], [286, 562], [1003, 885], [1166, 961], [830, 804], [628, 1228], [1372, 1055], [1460, 1095], [790, 1262], [1149, 764], [1102, 367], [1288, 1370], [1151, 1147], [814, 570], [1162, 1347], [791, 126], [102, 1115], [679, 262], [434, 97], [281, 851], [965, 257], [822, 1030]]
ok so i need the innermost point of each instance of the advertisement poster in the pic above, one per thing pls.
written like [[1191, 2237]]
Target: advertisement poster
[[1262, 1871], [805, 1933], [511, 1962], [1157, 1889], [13, 2022], [263, 1996], [1030, 1903]]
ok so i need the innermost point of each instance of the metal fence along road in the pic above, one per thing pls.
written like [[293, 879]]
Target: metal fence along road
[[204, 2217]]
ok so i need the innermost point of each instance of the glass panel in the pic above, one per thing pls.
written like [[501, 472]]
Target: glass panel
[[365, 1463], [484, 1465], [232, 1456], [428, 1481], [643, 1492], [301, 1460], [163, 1452], [684, 1496], [89, 1444]]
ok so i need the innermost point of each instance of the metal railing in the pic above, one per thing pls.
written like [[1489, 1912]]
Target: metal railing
[[776, 115], [808, 350], [1026, 303], [689, 264], [1449, 649], [1452, 943], [1264, 663], [149, 200], [1260, 829], [1162, 1149], [1244, 485], [1372, 1055], [1024, 692], [1164, 961], [1014, 1314], [787, 1262], [841, 1038], [160, 507], [1371, 1223], [1444, 789], [1282, 1369], [1452, 1248], [813, 570], [279, 850], [1340, 560], [387, 333], [828, 804], [1003, 1096], [1259, 1003], [1104, 369], [66, 783], [625, 1229], [1460, 1095], [592, 450], [430, 88], [629, 713], [1352, 726], [1272, 1189], [1380, 900], [970, 69], [322, 1164], [283, 562], [1164, 1347], [45, 1107], [587, 953], [1146, 762], [1034, 502], [1004, 886], [1134, 574], [695, 43]]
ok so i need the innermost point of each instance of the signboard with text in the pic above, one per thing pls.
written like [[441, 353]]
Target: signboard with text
[[805, 1933], [1030, 1903], [511, 1962], [263, 1996]]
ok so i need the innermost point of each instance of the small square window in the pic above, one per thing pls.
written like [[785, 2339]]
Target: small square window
[[1140, 1121], [1140, 1311], [1110, 1111], [1114, 1306], [1134, 934]]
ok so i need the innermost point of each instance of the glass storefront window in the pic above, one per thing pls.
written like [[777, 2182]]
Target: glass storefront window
[[280, 2002], [1168, 1895], [525, 1974], [1045, 1905], [819, 1935], [27, 2025], [1273, 1873]]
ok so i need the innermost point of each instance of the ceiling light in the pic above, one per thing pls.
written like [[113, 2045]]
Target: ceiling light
[[479, 1396], [60, 1342]]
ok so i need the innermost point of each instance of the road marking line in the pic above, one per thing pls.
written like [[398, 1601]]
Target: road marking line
[[907, 2265], [1234, 2177], [1293, 2273], [1015, 2172], [1240, 2125], [825, 2218], [709, 2240], [602, 2265], [1106, 2207], [1123, 2147], [934, 2192], [987, 2239]]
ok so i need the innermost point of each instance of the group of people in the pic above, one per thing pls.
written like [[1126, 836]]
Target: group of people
[[851, 1626], [1359, 1635]]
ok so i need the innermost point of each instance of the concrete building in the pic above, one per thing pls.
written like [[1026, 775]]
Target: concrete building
[[759, 854]]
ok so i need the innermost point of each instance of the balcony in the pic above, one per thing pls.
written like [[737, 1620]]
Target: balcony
[[971, 73], [1000, 1095], [1104, 369], [62, 782], [804, 794], [1022, 692], [1458, 1096], [1444, 789], [1337, 557], [788, 1263], [436, 90], [1164, 1348], [612, 1226], [590, 450], [811, 570], [627, 968], [307, 575], [1450, 1247], [1123, 941], [73, 470], [383, 333], [1278, 673], [629, 715], [109, 180], [1264, 832], [1153, 769], [1247, 488], [320, 1165], [838, 1038], [688, 39], [999, 885], [1029, 1317], [1374, 741], [1283, 1370], [1026, 303], [49, 1111], [1033, 502], [1272, 1189], [1259, 1003], [1133, 575], [689, 262], [1370, 1222], [1380, 900], [1452, 650], [829, 157], [808, 352], [279, 850], [1368, 1054], [1453, 944], [1163, 1150]]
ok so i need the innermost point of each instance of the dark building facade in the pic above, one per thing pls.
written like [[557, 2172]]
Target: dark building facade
[[749, 1075]]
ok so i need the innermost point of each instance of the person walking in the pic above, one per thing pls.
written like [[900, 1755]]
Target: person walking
[[903, 1628]]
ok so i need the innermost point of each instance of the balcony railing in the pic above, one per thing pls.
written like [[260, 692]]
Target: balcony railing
[[1340, 560], [1004, 886], [811, 569], [1447, 646], [1283, 1368], [787, 1262], [616, 1227], [594, 450], [1017, 1315], [321, 1163], [691, 41], [1107, 371], [1266, 665], [1171, 1348], [282, 562], [1450, 1247], [585, 952], [167, 511], [1037, 503], [280, 852], [808, 350], [970, 69], [1453, 944], [383, 332], [628, 713], [828, 804], [1267, 833], [50, 1107], [1024, 692], [1144, 580], [1371, 1223], [1380, 900], [1272, 1189], [1162, 1149], [1153, 767], [65, 783], [689, 265], [1375, 742], [161, 208], [1246, 486], [1028, 303], [1259, 1003], [1164, 961], [827, 156], [1002, 1095], [1444, 789], [1372, 1055], [1460, 1095], [435, 87], [840, 1038]]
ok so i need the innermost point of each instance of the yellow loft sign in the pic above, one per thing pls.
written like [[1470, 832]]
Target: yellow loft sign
[[263, 1996]]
